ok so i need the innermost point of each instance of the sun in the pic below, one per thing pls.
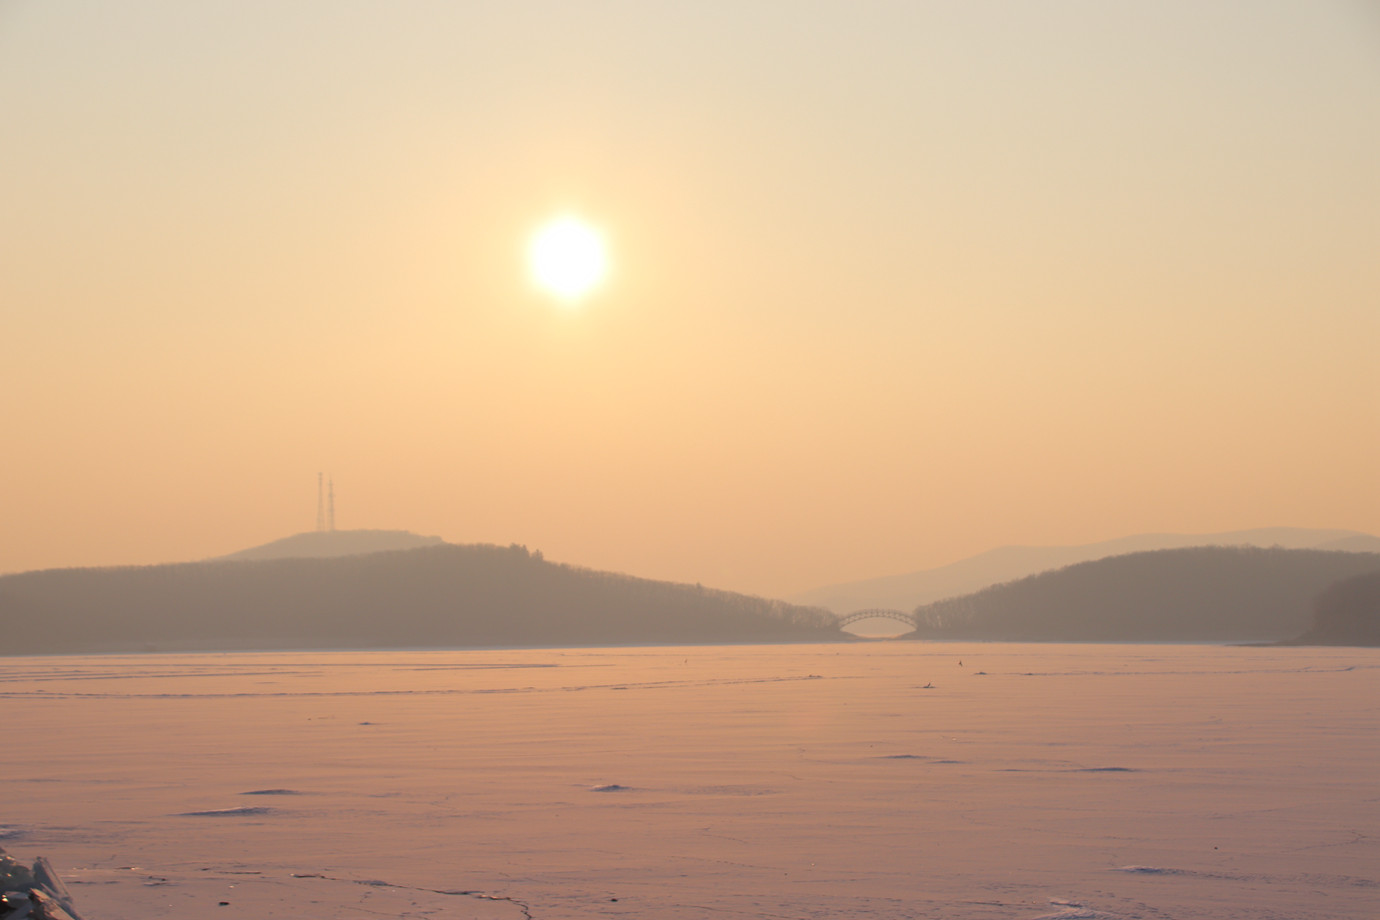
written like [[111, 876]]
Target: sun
[[567, 258]]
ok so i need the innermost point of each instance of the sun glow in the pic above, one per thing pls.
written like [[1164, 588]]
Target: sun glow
[[567, 258]]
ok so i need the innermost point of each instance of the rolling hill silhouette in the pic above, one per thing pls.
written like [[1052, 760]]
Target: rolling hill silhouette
[[1198, 594], [442, 595]]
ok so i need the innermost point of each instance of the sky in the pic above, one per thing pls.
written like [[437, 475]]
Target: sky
[[890, 283]]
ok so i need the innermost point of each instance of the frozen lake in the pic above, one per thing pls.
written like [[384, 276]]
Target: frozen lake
[[876, 780]]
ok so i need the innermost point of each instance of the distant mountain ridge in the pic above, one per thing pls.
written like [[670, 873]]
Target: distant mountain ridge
[[1007, 563], [1194, 594], [320, 544], [440, 595]]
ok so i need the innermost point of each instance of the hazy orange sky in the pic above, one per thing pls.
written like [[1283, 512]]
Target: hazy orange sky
[[891, 282]]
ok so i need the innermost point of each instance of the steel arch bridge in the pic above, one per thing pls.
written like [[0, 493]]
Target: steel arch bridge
[[878, 613]]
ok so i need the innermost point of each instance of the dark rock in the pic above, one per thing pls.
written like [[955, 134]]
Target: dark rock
[[15, 905]]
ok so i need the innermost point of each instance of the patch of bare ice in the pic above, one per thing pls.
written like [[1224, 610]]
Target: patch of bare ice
[[1072, 910]]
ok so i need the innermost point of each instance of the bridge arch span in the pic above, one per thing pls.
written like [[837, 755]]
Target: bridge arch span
[[878, 613]]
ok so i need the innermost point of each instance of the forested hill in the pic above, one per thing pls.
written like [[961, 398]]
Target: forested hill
[[1201, 594], [442, 595], [1347, 613]]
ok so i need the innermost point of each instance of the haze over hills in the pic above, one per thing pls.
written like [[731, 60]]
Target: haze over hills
[[439, 595], [1006, 563], [1195, 594], [377, 589]]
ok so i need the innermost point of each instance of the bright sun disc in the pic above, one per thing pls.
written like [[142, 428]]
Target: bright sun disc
[[567, 258]]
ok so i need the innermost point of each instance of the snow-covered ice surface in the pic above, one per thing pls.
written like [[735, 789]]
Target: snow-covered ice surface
[[824, 781]]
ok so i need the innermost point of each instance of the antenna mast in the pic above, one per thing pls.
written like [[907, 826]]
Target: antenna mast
[[320, 503]]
